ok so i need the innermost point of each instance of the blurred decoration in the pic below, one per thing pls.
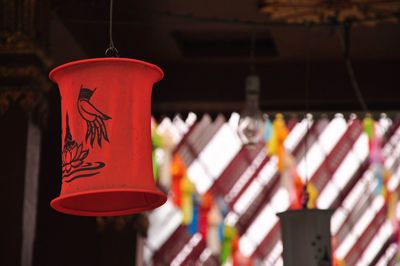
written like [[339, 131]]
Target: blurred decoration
[[392, 200], [307, 230], [312, 196], [267, 133], [156, 142], [327, 12], [191, 219], [278, 136], [212, 229], [291, 181], [206, 203], [214, 219], [187, 189], [381, 173], [178, 170], [165, 162], [251, 123], [227, 241], [368, 125]]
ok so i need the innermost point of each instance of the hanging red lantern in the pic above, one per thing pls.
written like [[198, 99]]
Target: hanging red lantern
[[106, 137]]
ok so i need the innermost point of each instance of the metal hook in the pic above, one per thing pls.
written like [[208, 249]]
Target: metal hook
[[111, 51]]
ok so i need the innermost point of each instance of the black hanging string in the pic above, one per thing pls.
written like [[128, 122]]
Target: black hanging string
[[111, 50], [252, 51], [344, 37], [305, 198]]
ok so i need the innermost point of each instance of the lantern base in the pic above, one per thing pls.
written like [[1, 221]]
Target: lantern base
[[109, 202]]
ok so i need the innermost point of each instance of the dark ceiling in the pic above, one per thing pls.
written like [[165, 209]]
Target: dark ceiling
[[204, 49]]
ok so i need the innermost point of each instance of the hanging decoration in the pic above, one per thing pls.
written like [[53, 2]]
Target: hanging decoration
[[193, 224], [187, 189], [267, 130], [368, 127], [167, 145], [214, 219], [206, 202], [226, 246], [312, 194], [209, 210], [298, 193], [291, 181], [392, 200], [376, 158], [278, 136], [107, 165], [107, 153], [251, 122], [156, 142], [307, 230], [178, 170]]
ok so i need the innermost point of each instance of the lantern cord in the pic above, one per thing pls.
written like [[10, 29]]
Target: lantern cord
[[344, 37], [252, 51], [306, 195], [306, 107], [111, 50]]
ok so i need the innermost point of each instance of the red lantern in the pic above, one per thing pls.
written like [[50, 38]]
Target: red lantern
[[106, 142]]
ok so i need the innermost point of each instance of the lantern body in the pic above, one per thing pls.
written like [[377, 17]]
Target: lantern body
[[306, 237], [106, 137]]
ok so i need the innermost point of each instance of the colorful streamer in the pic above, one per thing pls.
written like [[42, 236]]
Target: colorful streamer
[[187, 190], [214, 219], [267, 134], [279, 134], [193, 227], [164, 174], [290, 181], [156, 142], [368, 126], [226, 248], [178, 170], [206, 203], [312, 196]]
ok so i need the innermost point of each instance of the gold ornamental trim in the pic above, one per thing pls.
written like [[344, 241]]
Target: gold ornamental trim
[[323, 11]]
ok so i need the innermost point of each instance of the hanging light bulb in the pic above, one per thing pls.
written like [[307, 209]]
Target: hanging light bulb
[[251, 120]]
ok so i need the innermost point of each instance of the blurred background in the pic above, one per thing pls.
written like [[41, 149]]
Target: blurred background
[[337, 60]]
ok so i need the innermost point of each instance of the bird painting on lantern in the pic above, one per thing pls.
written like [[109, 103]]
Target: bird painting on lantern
[[96, 128]]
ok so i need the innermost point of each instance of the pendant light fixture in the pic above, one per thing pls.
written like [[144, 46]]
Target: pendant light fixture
[[251, 122]]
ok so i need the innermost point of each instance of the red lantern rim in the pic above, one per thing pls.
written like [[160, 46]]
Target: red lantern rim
[[57, 203], [106, 59]]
